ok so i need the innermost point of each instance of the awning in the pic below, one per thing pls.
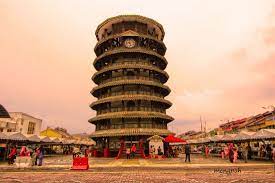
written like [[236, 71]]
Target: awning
[[264, 134], [3, 136], [16, 136], [172, 139]]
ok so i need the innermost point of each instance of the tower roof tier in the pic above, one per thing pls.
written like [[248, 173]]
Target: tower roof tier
[[130, 65], [130, 132], [132, 114], [131, 97], [121, 50], [128, 18], [165, 89]]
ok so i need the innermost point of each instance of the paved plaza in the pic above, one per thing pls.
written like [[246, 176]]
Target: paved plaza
[[57, 169]]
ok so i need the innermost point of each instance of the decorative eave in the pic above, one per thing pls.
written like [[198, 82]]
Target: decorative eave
[[113, 36], [129, 50], [131, 97], [130, 66], [131, 114], [131, 81], [130, 17], [130, 132]]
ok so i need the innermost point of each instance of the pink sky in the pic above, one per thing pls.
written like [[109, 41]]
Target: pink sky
[[221, 57]]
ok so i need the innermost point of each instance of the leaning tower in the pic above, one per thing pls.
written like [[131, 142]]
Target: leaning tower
[[130, 77]]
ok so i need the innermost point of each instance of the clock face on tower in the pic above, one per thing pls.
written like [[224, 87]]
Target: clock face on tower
[[129, 43]]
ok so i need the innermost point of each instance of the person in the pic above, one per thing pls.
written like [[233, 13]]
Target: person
[[12, 155], [249, 155], [33, 157], [133, 150], [187, 152], [231, 153], [159, 151], [222, 153], [40, 156], [150, 151], [23, 151], [206, 151], [128, 152], [76, 152], [268, 152], [87, 152], [273, 152], [235, 154], [153, 152], [226, 151], [245, 152]]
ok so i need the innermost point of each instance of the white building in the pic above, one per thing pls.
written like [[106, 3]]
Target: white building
[[26, 124], [7, 125]]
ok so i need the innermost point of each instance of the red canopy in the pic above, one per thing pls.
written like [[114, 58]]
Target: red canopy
[[173, 139]]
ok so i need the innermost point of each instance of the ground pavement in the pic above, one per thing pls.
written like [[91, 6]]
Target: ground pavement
[[56, 169]]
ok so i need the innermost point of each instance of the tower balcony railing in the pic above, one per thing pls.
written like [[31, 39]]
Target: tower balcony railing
[[124, 61], [111, 94], [119, 78], [120, 109]]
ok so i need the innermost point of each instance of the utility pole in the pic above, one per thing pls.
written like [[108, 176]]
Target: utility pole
[[201, 123]]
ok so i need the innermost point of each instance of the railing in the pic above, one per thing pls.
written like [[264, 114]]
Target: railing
[[130, 61], [120, 109], [130, 78], [130, 93]]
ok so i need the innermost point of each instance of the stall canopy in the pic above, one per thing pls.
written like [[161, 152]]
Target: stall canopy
[[174, 140], [45, 139], [33, 138], [17, 136], [243, 135], [264, 134], [216, 138], [3, 136]]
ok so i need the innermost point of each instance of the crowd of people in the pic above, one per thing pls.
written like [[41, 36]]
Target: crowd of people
[[36, 154], [154, 152], [235, 151]]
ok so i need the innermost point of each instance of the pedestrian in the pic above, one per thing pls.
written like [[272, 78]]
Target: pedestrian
[[235, 154], [153, 152], [33, 157], [249, 155], [128, 153], [273, 153], [40, 156], [245, 152], [206, 151], [12, 155], [231, 153], [268, 152], [159, 151], [133, 150], [187, 152], [23, 151]]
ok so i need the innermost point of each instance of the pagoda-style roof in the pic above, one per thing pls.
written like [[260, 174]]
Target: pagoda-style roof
[[131, 81], [130, 50], [130, 132], [3, 112], [131, 97], [131, 114], [137, 18], [129, 65]]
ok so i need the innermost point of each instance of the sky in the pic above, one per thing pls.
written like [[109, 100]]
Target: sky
[[221, 58]]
